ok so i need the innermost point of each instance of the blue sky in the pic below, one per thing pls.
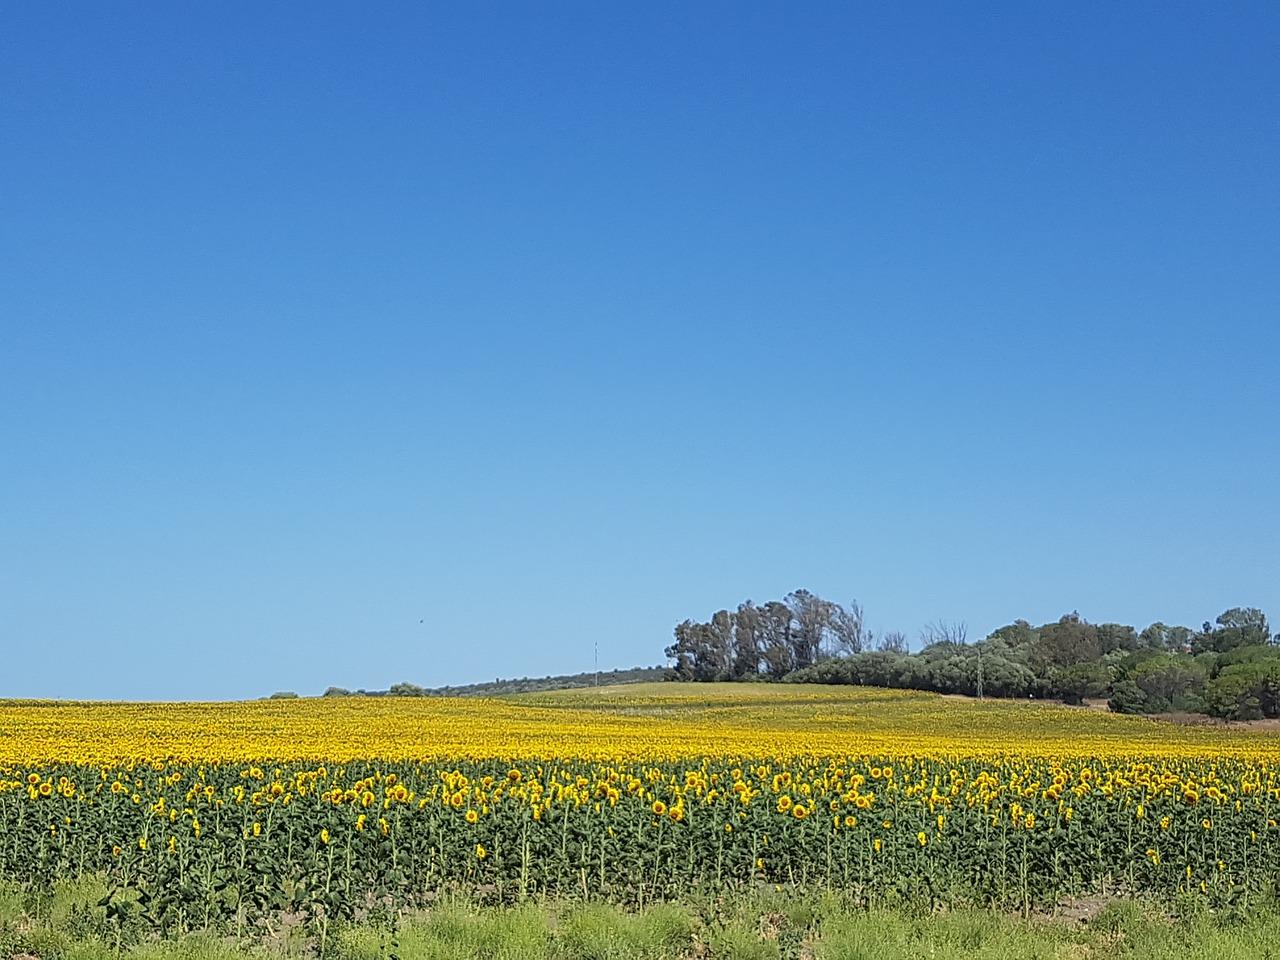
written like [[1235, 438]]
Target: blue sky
[[548, 325]]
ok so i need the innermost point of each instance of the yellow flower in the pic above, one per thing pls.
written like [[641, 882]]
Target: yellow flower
[[481, 852], [324, 835], [921, 838], [472, 817], [799, 811], [659, 808]]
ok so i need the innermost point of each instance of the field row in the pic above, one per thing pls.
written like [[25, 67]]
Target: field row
[[186, 845], [645, 721]]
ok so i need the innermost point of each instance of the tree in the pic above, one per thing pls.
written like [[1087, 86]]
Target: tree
[[950, 634], [847, 629], [811, 626], [1114, 637], [1168, 682], [1017, 637], [406, 690], [1078, 682], [1002, 677], [775, 634], [683, 651], [746, 641], [1237, 627], [1127, 697], [718, 646], [1068, 642], [1158, 636], [1246, 691], [895, 641]]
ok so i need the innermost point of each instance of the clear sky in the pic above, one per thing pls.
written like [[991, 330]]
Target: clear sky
[[350, 345]]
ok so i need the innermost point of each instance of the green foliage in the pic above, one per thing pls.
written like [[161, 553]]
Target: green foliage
[[1127, 697], [1226, 669], [794, 633], [787, 925], [499, 688], [601, 932], [1248, 690], [1079, 681], [1237, 627]]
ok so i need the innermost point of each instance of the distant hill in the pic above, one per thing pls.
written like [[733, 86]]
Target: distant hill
[[495, 688]]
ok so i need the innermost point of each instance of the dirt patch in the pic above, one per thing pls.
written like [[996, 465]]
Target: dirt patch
[[1083, 909], [1200, 720]]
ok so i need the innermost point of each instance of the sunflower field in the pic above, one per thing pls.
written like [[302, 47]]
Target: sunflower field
[[222, 815]]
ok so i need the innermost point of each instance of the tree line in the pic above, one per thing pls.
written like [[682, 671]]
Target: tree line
[[502, 687], [1229, 667]]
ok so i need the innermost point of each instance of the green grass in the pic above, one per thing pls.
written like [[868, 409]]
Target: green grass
[[769, 925]]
